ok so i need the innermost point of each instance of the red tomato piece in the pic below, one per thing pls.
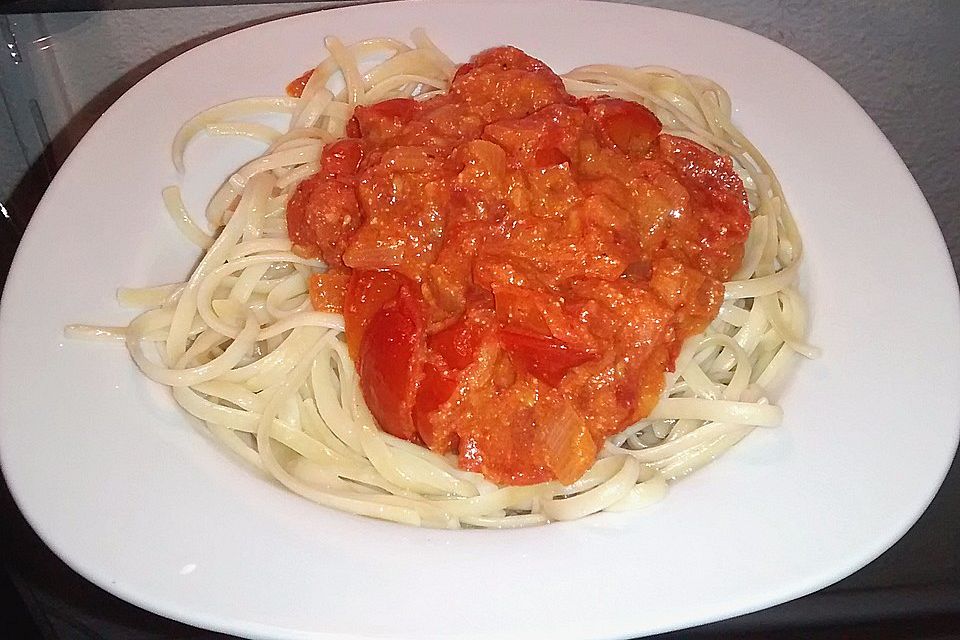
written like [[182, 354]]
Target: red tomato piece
[[353, 127], [711, 177], [391, 362], [458, 343], [715, 186], [324, 212], [507, 58], [341, 159], [321, 216], [383, 115], [627, 126], [367, 293], [550, 157], [402, 108], [543, 356], [436, 387], [295, 88]]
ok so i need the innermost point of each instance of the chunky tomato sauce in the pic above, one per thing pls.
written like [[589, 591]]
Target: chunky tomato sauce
[[517, 268]]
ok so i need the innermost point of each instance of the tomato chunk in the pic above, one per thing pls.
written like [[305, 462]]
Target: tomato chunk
[[321, 216], [295, 88], [627, 126], [436, 387], [353, 127], [367, 293], [341, 159], [458, 343], [718, 193], [545, 357], [550, 157], [324, 212], [711, 178], [378, 119], [391, 361]]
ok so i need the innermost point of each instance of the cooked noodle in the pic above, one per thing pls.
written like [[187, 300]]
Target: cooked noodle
[[243, 350]]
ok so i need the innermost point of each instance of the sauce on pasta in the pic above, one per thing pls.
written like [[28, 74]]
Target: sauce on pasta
[[517, 268]]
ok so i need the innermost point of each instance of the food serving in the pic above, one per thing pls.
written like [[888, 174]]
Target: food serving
[[482, 294]]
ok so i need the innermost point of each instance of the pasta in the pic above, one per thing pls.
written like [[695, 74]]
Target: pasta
[[245, 353]]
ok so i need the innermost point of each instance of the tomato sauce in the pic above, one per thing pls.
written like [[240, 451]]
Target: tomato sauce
[[517, 268]]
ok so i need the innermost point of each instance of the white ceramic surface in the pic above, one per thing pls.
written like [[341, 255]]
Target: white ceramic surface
[[131, 493]]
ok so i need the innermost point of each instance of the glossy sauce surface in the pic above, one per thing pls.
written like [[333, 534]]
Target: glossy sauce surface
[[517, 268]]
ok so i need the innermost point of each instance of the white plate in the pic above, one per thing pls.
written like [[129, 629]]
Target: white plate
[[132, 495]]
